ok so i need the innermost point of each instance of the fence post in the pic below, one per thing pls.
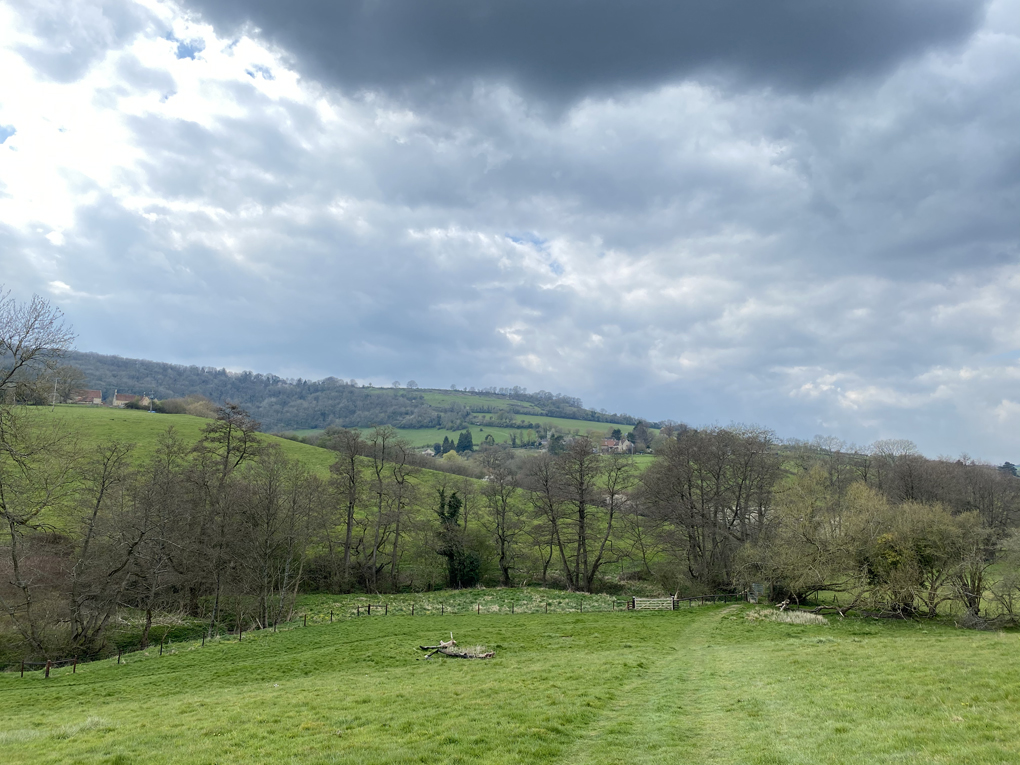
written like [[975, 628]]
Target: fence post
[[511, 608], [478, 608], [442, 609], [203, 640], [74, 669], [582, 605], [118, 656], [369, 609], [161, 647], [547, 608], [359, 610], [22, 667], [240, 633], [412, 609], [386, 609], [331, 616], [48, 665]]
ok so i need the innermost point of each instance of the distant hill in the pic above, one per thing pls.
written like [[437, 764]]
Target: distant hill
[[282, 404]]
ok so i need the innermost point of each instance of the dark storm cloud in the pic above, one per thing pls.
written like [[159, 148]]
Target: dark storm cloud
[[832, 253], [564, 49]]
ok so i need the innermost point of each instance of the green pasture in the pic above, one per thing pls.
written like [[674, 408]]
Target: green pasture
[[422, 437], [583, 427], [439, 397], [429, 436], [100, 423], [471, 400], [701, 685]]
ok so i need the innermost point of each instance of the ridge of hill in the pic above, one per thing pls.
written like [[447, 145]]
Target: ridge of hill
[[287, 404]]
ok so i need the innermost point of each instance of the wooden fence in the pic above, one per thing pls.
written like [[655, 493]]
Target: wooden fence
[[672, 604]]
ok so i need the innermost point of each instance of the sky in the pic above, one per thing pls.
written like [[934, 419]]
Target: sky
[[801, 214]]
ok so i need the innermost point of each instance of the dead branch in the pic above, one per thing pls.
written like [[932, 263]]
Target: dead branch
[[458, 655], [446, 647]]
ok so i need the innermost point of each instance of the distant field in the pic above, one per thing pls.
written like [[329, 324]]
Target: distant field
[[429, 436], [582, 426], [446, 398], [423, 437], [142, 428], [703, 685]]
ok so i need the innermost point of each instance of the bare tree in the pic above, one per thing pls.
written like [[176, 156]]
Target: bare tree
[[580, 496], [106, 545], [38, 481], [161, 505], [33, 338], [227, 443], [711, 491], [505, 517], [347, 480], [380, 443]]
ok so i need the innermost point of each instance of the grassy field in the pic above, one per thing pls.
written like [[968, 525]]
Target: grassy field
[[703, 685], [429, 436], [142, 429]]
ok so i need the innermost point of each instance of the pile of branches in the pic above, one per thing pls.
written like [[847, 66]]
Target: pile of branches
[[450, 648]]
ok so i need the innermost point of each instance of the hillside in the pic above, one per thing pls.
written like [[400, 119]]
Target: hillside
[[281, 404], [142, 429]]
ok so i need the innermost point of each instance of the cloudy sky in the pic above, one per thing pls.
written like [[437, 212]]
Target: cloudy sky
[[799, 213]]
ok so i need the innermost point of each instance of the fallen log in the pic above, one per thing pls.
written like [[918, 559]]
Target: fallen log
[[448, 648], [462, 655]]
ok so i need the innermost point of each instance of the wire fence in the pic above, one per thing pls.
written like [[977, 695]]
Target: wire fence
[[382, 609]]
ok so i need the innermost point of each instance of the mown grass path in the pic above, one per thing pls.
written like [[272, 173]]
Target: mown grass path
[[703, 685]]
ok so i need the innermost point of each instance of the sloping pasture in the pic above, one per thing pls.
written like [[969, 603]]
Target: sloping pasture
[[703, 685]]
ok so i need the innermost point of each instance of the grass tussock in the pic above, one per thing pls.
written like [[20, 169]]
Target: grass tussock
[[59, 733], [785, 617]]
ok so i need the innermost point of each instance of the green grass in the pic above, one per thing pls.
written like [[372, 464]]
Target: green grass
[[703, 685], [470, 400], [428, 436], [143, 429], [422, 437]]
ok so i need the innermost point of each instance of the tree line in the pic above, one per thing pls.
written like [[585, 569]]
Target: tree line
[[228, 529], [283, 404]]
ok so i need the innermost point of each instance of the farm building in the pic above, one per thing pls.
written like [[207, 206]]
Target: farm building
[[94, 397], [121, 400]]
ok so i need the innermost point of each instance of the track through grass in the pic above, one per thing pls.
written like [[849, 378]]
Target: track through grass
[[703, 685]]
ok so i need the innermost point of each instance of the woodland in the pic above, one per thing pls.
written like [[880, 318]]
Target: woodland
[[297, 404]]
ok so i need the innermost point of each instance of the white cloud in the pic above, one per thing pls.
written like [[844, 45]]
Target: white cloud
[[842, 259]]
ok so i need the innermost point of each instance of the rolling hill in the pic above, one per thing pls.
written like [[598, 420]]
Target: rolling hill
[[305, 405]]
